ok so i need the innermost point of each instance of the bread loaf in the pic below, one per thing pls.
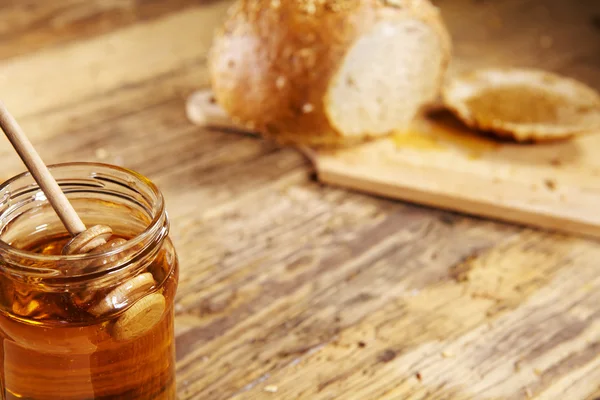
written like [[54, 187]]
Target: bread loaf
[[328, 72]]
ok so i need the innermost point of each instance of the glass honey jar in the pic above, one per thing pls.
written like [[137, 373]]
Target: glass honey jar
[[86, 326]]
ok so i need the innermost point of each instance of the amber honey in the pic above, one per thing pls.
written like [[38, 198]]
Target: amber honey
[[440, 131], [87, 326], [53, 348]]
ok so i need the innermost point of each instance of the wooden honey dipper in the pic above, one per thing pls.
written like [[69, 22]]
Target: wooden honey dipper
[[144, 313]]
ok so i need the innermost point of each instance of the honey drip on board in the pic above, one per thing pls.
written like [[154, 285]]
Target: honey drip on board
[[417, 140], [440, 132]]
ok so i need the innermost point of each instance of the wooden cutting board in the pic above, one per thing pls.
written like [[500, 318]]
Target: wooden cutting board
[[441, 163]]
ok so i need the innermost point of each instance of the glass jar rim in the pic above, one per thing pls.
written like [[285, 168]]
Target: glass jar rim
[[153, 229]]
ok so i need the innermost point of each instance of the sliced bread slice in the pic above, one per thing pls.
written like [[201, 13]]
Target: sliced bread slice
[[527, 105]]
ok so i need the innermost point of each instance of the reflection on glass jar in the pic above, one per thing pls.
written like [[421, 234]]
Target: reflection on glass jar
[[92, 326]]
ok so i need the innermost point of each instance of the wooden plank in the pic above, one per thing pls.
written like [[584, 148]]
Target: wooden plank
[[318, 292], [94, 88], [295, 270], [81, 130], [595, 395], [269, 306], [347, 334], [464, 336], [38, 82], [31, 25]]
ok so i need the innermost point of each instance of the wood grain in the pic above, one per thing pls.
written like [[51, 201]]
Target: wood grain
[[293, 289], [463, 339], [551, 186], [441, 163], [39, 171], [30, 25]]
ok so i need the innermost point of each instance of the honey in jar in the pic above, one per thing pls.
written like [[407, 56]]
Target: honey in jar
[[86, 326]]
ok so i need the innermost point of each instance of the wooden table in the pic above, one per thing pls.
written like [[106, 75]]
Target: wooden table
[[290, 289]]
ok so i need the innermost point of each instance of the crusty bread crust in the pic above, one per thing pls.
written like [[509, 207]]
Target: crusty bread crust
[[272, 61]]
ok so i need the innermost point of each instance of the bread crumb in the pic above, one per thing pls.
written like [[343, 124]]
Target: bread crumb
[[271, 389], [337, 6], [310, 7], [280, 82], [101, 154], [550, 184], [447, 354], [393, 3], [386, 356], [517, 366], [419, 376], [308, 108], [308, 56], [389, 30], [275, 3]]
